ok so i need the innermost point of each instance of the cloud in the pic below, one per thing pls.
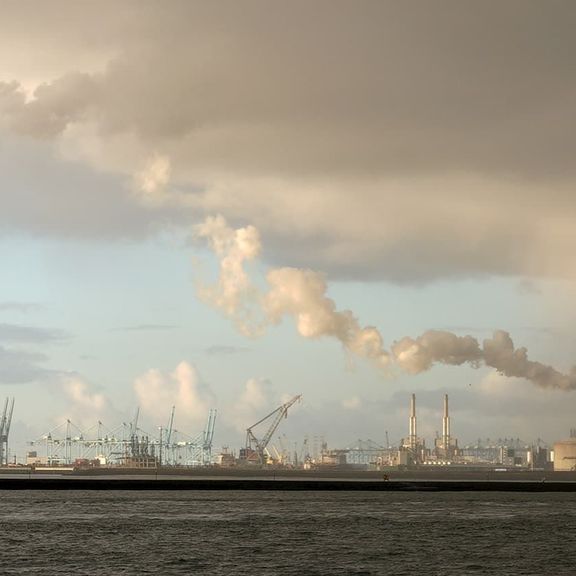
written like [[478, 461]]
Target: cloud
[[383, 144], [86, 404], [14, 333], [152, 180], [352, 403], [19, 366], [254, 403], [157, 392]]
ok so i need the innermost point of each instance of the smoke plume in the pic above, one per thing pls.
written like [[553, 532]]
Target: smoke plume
[[234, 293], [293, 292], [302, 295], [439, 347]]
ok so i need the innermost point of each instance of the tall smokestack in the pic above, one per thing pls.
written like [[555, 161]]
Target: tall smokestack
[[446, 424], [413, 431]]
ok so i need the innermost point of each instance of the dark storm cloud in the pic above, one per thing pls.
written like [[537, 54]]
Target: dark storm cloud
[[399, 140]]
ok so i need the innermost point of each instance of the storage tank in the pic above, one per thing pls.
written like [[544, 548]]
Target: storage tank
[[565, 455]]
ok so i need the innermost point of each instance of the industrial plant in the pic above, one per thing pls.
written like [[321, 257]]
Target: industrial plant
[[128, 446]]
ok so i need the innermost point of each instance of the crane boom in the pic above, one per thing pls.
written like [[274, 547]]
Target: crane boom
[[9, 419], [134, 424], [5, 423], [259, 445], [3, 420], [170, 427], [209, 430]]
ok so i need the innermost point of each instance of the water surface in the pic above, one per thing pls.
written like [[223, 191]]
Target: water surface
[[286, 533]]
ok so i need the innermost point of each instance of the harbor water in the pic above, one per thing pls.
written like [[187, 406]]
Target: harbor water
[[286, 533]]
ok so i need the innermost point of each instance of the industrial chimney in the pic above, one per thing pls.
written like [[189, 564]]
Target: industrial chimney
[[446, 425], [413, 436]]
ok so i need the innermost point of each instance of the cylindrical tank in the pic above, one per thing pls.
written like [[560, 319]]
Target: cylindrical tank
[[565, 455]]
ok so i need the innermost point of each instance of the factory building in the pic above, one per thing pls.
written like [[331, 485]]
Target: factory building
[[514, 457], [565, 453]]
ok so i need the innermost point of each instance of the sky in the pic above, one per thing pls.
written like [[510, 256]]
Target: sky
[[223, 205]]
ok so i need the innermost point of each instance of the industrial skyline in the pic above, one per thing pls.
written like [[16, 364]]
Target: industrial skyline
[[129, 445]]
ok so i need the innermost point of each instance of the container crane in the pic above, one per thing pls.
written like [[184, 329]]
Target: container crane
[[255, 447], [169, 448], [134, 423], [208, 437], [5, 424]]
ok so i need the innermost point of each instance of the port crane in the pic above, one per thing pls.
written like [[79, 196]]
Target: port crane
[[5, 424], [257, 446], [197, 450]]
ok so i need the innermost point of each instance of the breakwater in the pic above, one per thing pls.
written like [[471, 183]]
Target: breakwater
[[281, 484]]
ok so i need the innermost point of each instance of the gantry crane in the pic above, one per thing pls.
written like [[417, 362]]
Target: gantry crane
[[255, 447], [5, 424], [208, 438]]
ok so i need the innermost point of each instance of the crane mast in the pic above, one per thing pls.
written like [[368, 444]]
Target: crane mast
[[5, 423], [257, 446], [208, 437]]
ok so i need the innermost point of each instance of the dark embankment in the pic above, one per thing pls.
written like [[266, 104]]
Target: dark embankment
[[147, 483]]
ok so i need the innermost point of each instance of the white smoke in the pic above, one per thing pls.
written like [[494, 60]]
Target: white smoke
[[301, 294], [293, 292], [234, 293], [439, 347], [435, 346]]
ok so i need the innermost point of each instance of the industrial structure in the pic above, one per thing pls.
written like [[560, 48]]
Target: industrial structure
[[129, 446], [255, 450], [446, 447], [413, 449], [5, 423], [126, 445], [565, 453]]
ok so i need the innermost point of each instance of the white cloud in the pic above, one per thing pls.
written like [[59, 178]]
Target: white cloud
[[86, 404], [254, 403], [157, 392], [352, 403], [152, 180]]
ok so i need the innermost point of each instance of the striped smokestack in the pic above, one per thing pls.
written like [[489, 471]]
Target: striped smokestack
[[413, 430], [446, 424]]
